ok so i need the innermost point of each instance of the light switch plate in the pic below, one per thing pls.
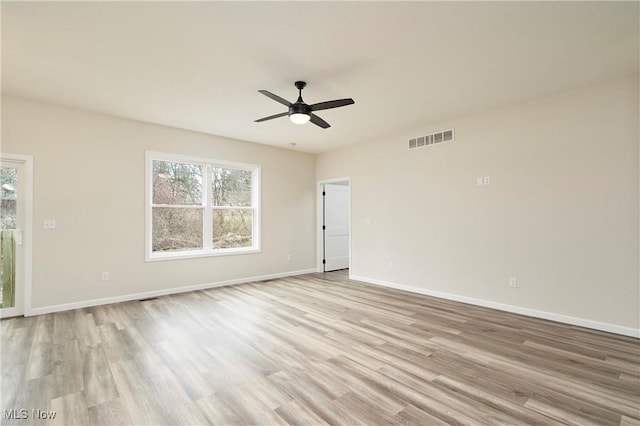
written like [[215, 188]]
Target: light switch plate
[[49, 224]]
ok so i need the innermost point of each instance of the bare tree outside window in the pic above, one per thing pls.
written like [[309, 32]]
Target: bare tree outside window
[[177, 212], [8, 192], [232, 221]]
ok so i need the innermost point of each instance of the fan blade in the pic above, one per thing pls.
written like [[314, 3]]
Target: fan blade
[[319, 121], [275, 97], [332, 104], [271, 117]]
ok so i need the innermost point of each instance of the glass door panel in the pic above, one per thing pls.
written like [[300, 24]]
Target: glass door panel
[[10, 238]]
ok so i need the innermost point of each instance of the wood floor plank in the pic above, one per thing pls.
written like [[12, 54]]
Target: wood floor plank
[[295, 413], [40, 362], [313, 349], [67, 370], [35, 394], [97, 379], [515, 410], [254, 409], [628, 421], [557, 413], [220, 409], [70, 409], [411, 415], [362, 409], [318, 400], [110, 413]]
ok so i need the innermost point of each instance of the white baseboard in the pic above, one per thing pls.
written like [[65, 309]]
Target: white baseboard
[[596, 325], [163, 292]]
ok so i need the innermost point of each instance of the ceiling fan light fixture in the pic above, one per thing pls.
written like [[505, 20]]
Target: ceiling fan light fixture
[[300, 118]]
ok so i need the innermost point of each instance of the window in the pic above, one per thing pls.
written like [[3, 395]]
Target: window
[[200, 207]]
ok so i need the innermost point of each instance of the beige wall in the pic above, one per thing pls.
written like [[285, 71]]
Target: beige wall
[[561, 212], [89, 177]]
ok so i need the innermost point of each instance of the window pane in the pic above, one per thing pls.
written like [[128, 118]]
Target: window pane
[[8, 193], [231, 187], [232, 228], [177, 183], [176, 229]]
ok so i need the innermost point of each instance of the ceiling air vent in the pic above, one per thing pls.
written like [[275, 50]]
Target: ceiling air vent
[[433, 138]]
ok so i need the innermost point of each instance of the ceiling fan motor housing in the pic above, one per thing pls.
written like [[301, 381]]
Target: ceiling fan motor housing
[[299, 108]]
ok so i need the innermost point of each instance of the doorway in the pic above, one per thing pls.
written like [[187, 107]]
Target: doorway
[[15, 234], [335, 225]]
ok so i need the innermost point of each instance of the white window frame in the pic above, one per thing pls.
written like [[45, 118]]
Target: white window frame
[[207, 205]]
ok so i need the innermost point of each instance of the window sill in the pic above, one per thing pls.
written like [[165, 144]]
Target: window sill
[[177, 255]]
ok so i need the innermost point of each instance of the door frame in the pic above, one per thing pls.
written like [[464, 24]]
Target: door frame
[[27, 233], [320, 220]]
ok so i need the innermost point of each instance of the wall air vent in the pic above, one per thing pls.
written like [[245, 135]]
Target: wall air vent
[[433, 138]]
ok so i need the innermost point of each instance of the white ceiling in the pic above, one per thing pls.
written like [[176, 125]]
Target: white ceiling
[[199, 65]]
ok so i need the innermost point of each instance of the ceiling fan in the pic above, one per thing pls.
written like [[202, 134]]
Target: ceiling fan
[[299, 112]]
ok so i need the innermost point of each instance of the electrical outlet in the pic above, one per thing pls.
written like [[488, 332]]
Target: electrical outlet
[[390, 264], [49, 224], [105, 276], [288, 257], [513, 282], [486, 180]]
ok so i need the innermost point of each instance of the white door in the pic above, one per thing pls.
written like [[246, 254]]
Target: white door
[[12, 197], [336, 227]]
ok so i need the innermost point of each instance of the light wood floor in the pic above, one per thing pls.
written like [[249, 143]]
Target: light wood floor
[[314, 349]]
